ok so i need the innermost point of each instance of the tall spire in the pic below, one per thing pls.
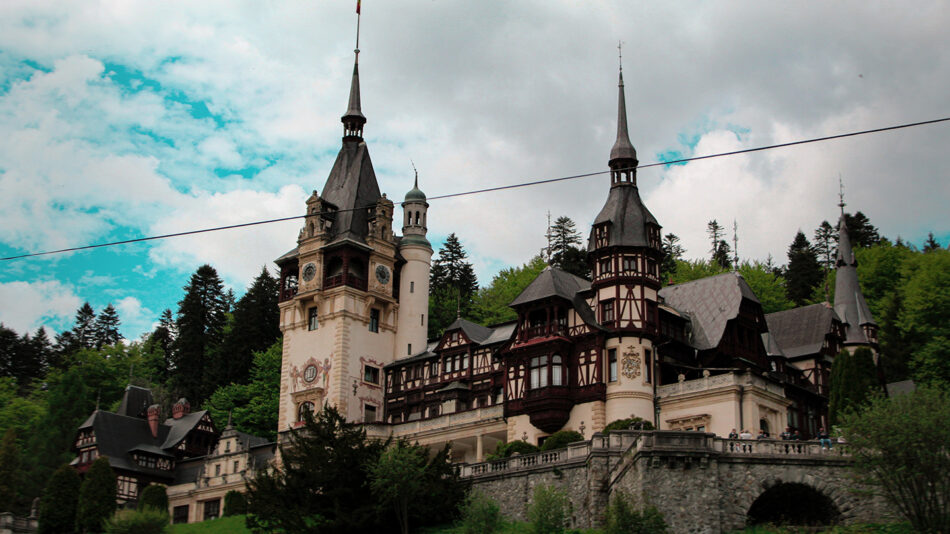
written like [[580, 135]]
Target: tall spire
[[354, 120], [622, 155], [850, 304]]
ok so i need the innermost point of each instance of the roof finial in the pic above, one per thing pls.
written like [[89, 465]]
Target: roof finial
[[840, 194], [620, 58], [415, 170], [357, 31], [353, 120], [622, 149]]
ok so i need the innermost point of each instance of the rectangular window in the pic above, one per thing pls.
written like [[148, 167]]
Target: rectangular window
[[607, 311], [180, 514], [127, 487], [612, 365], [212, 509], [605, 266], [237, 464], [217, 470], [371, 374], [465, 361], [412, 287], [312, 318], [422, 319], [434, 370], [409, 349], [369, 414], [648, 364], [629, 264], [374, 320]]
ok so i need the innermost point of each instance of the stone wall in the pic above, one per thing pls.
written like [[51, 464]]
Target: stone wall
[[701, 484]]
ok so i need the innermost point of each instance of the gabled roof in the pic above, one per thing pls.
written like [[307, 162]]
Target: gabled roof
[[179, 428], [352, 189], [475, 332], [801, 331], [551, 282], [117, 435], [711, 303]]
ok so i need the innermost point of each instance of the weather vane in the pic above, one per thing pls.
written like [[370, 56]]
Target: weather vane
[[840, 193], [357, 31], [620, 54]]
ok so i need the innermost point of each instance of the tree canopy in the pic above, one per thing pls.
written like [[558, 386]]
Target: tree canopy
[[452, 286], [491, 302]]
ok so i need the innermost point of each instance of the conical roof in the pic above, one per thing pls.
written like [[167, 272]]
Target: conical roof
[[849, 301], [623, 148]]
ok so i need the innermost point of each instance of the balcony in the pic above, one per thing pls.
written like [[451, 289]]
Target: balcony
[[344, 280]]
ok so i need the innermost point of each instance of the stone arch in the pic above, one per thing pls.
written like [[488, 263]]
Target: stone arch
[[793, 503]]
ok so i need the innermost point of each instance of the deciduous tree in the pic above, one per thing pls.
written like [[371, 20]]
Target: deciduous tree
[[253, 406], [491, 302]]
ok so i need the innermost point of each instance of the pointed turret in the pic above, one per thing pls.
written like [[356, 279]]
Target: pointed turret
[[354, 119], [622, 151], [860, 328]]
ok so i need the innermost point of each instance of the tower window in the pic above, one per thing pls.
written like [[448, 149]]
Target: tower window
[[371, 374], [539, 372], [369, 413], [605, 266], [374, 320], [557, 371], [422, 319], [612, 365], [630, 264], [303, 410], [412, 287], [409, 349], [607, 311], [312, 318]]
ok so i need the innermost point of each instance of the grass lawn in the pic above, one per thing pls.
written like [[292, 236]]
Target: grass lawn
[[225, 525]]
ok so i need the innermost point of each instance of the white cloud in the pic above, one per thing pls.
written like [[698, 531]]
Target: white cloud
[[37, 303]]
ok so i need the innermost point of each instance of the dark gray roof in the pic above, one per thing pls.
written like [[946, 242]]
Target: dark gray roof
[[627, 218], [145, 447], [771, 347], [475, 332], [188, 470], [352, 189], [117, 435], [551, 282], [710, 303], [623, 148], [179, 428], [501, 333], [453, 386], [801, 331], [849, 301], [135, 401], [289, 255]]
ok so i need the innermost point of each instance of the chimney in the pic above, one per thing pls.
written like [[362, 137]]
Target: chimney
[[181, 408], [153, 412]]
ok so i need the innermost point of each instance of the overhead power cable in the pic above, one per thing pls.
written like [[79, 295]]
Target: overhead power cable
[[488, 189]]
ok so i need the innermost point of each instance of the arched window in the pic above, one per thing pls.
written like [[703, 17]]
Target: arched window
[[557, 371], [303, 409], [539, 372]]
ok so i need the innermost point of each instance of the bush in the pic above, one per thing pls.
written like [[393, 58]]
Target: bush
[[480, 514], [549, 510], [559, 440], [638, 423], [234, 503], [154, 497], [623, 519], [96, 497], [58, 505], [505, 450], [145, 521]]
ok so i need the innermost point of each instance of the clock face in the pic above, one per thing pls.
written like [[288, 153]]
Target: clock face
[[382, 274], [310, 373], [309, 271]]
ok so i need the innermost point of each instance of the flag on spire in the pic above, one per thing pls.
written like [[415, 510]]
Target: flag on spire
[[357, 7]]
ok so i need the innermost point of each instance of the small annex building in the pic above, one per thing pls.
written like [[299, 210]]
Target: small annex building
[[185, 452]]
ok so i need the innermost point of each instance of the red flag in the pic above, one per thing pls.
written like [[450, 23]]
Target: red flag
[[357, 7]]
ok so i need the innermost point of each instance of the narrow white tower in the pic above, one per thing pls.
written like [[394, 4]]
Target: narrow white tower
[[414, 277]]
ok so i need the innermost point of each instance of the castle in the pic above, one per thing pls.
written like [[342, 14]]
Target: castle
[[699, 356]]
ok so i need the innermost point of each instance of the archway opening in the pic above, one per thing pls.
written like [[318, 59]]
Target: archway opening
[[793, 503]]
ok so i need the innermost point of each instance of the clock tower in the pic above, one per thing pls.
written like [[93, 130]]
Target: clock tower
[[340, 288]]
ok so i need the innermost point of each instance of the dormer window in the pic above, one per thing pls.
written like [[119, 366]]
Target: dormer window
[[601, 236]]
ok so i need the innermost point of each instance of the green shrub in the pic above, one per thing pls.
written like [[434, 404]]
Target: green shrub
[[622, 518], [96, 497], [505, 450], [559, 440], [154, 497], [146, 521], [549, 510], [234, 503], [58, 505], [624, 424], [480, 514]]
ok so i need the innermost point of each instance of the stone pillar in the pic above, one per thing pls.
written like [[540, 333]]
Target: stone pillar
[[480, 448]]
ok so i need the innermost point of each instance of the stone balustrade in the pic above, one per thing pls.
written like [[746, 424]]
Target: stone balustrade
[[717, 381], [450, 420], [669, 441]]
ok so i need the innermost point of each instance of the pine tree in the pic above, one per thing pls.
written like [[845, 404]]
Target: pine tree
[[158, 347], [107, 327], [804, 272], [9, 344], [10, 473], [715, 233], [931, 244], [254, 327], [825, 238], [84, 330], [58, 504], [853, 380], [69, 402], [862, 233], [200, 323], [672, 251], [96, 497], [723, 255], [564, 253], [452, 286]]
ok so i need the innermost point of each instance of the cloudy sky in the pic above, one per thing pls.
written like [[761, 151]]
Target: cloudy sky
[[122, 119]]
